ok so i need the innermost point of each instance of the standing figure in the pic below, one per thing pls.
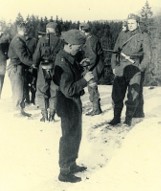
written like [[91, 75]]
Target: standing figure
[[93, 51], [4, 46], [30, 73], [20, 57], [44, 57], [132, 59], [68, 77]]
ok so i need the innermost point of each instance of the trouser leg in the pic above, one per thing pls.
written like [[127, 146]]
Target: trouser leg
[[133, 76], [70, 141], [94, 97], [118, 95], [140, 108], [17, 84], [52, 100]]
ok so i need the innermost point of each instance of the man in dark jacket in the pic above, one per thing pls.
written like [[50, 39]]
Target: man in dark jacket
[[4, 45], [93, 51], [69, 107], [44, 57], [128, 65], [19, 58], [30, 73]]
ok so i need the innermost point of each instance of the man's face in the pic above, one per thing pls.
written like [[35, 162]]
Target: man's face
[[74, 49], [22, 31], [132, 24]]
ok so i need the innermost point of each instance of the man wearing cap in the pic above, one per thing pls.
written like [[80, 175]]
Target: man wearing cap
[[93, 51], [19, 58], [44, 57], [128, 66], [4, 45], [69, 107]]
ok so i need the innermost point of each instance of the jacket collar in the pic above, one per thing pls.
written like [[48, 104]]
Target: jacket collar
[[69, 57]]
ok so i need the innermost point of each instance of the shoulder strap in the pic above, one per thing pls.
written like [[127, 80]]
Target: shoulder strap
[[129, 40]]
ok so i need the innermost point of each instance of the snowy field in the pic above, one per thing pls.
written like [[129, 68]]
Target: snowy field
[[118, 159]]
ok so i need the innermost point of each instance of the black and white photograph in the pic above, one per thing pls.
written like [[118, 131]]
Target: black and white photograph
[[80, 95]]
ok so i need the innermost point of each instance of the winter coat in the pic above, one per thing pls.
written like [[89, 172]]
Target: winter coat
[[18, 52], [68, 77], [134, 44], [93, 51]]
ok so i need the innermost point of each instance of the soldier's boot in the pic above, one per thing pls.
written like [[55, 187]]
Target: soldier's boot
[[117, 117], [52, 115], [90, 112], [129, 115], [44, 115], [96, 108], [68, 178], [139, 113], [23, 113], [76, 168], [128, 121]]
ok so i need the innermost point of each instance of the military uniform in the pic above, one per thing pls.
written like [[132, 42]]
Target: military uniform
[[46, 50], [4, 45], [69, 107], [30, 74], [93, 51], [19, 57], [136, 46]]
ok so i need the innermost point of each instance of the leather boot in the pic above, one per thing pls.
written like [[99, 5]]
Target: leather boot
[[44, 115], [96, 108], [129, 115], [51, 116], [68, 178], [117, 117], [90, 112], [139, 113]]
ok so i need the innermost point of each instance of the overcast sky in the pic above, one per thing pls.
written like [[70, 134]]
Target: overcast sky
[[74, 10]]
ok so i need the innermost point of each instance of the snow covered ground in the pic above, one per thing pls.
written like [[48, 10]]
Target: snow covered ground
[[118, 159]]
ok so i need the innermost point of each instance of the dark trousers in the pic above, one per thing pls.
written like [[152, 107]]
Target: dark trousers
[[130, 81], [16, 76], [45, 91], [30, 85], [140, 107], [71, 126]]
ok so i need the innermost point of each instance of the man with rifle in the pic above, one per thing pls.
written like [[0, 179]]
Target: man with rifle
[[132, 55]]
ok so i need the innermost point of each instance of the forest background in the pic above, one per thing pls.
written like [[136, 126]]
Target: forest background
[[107, 31]]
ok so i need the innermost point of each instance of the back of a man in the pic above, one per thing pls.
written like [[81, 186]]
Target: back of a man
[[44, 57]]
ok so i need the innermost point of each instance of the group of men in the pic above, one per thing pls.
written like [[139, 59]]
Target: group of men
[[68, 63]]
